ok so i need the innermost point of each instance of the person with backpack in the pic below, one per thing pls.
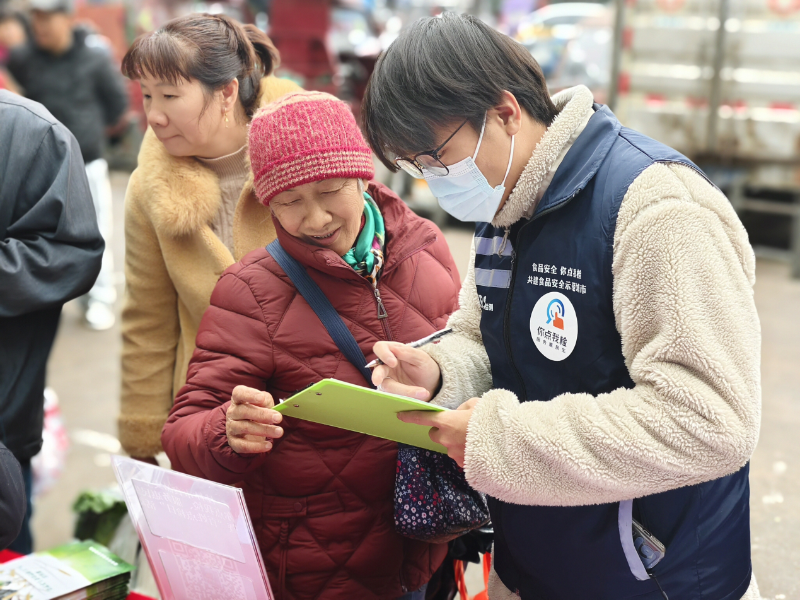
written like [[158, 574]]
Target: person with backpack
[[605, 360]]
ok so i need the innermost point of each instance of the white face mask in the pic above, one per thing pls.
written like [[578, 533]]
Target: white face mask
[[464, 192]]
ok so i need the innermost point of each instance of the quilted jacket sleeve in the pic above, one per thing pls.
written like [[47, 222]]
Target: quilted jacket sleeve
[[683, 301], [233, 348], [466, 372]]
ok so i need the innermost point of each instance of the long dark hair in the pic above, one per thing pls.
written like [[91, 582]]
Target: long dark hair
[[213, 49]]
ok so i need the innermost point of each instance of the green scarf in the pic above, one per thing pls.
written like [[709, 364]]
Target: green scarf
[[366, 256]]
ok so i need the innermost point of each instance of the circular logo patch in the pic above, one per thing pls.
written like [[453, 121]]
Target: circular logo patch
[[554, 326]]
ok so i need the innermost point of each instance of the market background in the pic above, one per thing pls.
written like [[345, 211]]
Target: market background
[[717, 79]]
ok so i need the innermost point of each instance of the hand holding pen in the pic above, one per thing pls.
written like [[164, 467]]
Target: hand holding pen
[[406, 370], [419, 343]]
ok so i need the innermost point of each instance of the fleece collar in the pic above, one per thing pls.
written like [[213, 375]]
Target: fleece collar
[[184, 194], [576, 102]]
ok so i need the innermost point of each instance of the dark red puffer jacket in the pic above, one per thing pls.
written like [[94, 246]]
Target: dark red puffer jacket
[[322, 501]]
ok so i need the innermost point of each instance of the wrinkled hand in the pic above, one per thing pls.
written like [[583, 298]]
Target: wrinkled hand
[[405, 371], [449, 427], [250, 423]]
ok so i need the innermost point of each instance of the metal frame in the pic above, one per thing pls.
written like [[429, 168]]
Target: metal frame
[[616, 57], [712, 155], [715, 93]]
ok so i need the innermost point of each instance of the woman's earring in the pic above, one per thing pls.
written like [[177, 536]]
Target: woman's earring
[[226, 119]]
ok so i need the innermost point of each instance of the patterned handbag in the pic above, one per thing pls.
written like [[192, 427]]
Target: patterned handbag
[[432, 500]]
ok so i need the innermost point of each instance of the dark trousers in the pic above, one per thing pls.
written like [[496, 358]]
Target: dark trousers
[[24, 542]]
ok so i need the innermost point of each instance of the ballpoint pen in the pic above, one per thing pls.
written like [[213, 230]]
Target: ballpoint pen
[[426, 340]]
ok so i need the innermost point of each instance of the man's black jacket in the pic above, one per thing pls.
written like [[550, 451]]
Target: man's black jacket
[[12, 497], [82, 88], [50, 252]]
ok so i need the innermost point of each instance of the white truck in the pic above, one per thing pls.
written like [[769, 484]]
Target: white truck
[[719, 81]]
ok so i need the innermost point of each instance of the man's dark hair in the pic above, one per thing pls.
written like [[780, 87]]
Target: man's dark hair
[[440, 71]]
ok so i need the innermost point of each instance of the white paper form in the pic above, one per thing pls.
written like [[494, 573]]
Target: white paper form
[[189, 518], [197, 534]]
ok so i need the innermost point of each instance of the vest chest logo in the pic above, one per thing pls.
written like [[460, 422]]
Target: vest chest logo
[[554, 326]]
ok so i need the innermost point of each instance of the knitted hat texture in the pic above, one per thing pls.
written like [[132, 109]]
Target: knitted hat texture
[[304, 137]]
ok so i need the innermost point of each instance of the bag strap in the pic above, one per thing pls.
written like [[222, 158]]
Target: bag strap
[[322, 307]]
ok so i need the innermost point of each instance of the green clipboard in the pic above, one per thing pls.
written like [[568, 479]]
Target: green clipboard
[[363, 410]]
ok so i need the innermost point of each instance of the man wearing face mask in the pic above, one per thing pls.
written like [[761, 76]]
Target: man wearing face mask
[[605, 356]]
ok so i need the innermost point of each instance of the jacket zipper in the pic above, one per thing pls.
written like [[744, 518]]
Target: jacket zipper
[[504, 242], [506, 316], [382, 314]]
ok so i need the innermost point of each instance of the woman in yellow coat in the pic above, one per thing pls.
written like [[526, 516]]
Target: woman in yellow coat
[[190, 210]]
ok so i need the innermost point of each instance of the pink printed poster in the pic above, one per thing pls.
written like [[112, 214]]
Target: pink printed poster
[[197, 534]]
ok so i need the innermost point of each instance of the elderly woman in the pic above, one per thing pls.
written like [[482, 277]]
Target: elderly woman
[[321, 499]]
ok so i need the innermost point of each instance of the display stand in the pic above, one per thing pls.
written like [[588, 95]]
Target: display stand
[[196, 534]]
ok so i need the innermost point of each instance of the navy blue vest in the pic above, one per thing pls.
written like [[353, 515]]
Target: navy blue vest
[[545, 288]]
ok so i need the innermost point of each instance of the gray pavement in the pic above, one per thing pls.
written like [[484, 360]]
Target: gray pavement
[[84, 372]]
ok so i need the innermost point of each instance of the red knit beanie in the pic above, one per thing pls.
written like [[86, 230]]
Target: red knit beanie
[[304, 137]]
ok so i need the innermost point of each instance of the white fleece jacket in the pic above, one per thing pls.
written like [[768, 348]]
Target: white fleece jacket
[[683, 303]]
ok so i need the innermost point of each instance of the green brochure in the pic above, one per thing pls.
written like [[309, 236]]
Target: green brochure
[[75, 570], [363, 410]]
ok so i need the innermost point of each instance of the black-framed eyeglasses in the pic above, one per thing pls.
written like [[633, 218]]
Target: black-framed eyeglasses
[[427, 161]]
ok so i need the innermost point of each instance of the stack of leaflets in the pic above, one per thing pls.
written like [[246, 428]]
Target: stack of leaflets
[[76, 571]]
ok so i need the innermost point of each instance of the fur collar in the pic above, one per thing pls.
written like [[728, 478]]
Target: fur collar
[[183, 194], [576, 102]]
